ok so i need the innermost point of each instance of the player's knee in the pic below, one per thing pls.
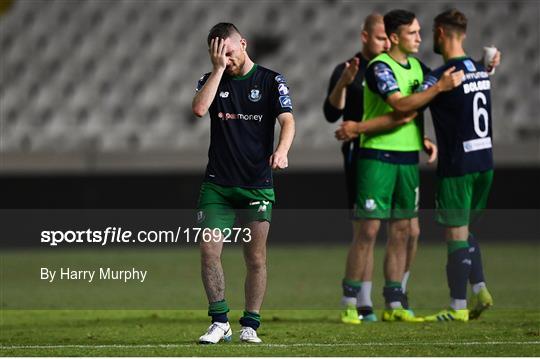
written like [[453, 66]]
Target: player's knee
[[256, 262], [210, 254], [402, 227], [367, 233], [414, 233]]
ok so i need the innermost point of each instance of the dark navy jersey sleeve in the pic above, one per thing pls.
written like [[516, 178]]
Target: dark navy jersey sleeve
[[354, 98], [282, 101], [431, 79], [381, 80], [331, 113], [202, 81], [425, 69]]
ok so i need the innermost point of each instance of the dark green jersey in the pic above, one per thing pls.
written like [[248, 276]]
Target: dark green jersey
[[243, 116]]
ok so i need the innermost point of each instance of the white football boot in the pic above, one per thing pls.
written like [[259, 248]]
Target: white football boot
[[249, 335], [216, 332]]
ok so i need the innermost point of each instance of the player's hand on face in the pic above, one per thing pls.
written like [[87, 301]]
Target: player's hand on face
[[279, 161], [431, 150], [217, 53], [347, 131], [350, 71], [451, 79]]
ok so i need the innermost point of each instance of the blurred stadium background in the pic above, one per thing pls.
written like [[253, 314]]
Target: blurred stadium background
[[95, 113], [95, 96]]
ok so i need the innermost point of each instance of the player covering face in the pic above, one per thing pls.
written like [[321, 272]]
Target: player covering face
[[232, 51], [244, 100]]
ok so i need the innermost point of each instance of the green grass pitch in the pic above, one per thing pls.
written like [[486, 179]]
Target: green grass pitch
[[165, 315]]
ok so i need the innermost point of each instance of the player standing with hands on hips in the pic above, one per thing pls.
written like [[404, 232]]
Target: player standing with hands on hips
[[244, 100]]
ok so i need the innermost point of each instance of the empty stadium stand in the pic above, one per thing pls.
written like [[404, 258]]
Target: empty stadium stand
[[104, 85]]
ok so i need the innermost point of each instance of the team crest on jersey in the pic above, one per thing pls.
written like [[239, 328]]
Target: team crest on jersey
[[469, 65], [255, 95], [280, 79]]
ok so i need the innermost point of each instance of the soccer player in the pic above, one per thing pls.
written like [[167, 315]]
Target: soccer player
[[462, 121], [345, 99], [387, 174], [244, 100]]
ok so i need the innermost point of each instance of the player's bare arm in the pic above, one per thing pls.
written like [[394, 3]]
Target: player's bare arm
[[350, 130], [448, 81], [279, 159], [339, 92], [203, 98]]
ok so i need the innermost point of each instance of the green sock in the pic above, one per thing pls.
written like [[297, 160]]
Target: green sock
[[392, 284], [351, 287], [251, 319], [218, 307]]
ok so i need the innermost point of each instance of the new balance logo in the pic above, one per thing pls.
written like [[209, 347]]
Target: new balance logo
[[262, 206], [224, 94]]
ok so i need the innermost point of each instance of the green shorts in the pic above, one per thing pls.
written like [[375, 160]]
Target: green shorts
[[386, 190], [220, 206], [461, 199]]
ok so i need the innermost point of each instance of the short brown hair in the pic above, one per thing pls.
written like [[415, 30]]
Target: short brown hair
[[222, 30], [452, 20], [371, 20]]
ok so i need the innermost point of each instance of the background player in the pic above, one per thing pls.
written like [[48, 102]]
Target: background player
[[239, 171], [345, 99], [462, 121], [388, 162]]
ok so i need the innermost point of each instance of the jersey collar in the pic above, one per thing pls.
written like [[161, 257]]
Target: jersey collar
[[457, 58], [250, 72], [406, 66]]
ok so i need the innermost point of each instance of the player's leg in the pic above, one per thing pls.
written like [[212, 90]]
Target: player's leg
[[255, 283], [359, 266], [256, 214], [371, 204], [453, 203], [412, 245], [394, 267], [364, 303], [481, 298], [214, 212], [405, 207], [358, 260]]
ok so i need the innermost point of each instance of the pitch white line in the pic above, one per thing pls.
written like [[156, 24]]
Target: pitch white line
[[269, 345]]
